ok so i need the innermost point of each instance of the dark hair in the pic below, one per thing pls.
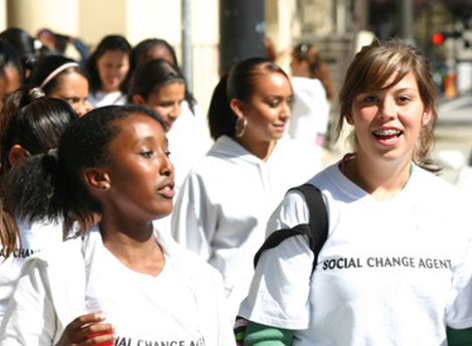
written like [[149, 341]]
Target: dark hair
[[140, 54], [9, 58], [49, 188], [108, 43], [318, 68], [23, 43], [238, 84], [270, 49], [373, 66], [36, 123], [151, 76], [48, 65]]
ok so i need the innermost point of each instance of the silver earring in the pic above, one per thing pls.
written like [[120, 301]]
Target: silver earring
[[105, 186], [240, 127]]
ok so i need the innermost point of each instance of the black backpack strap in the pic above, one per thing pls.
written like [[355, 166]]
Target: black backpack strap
[[318, 218], [316, 230]]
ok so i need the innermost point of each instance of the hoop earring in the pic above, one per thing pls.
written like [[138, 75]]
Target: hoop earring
[[240, 128]]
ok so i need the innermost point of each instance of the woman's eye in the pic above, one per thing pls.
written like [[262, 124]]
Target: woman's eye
[[71, 100], [370, 98], [273, 104], [147, 154], [168, 153], [404, 99]]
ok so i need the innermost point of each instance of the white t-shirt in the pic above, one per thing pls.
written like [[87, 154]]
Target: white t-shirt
[[101, 99], [157, 310], [223, 206], [392, 272], [34, 238]]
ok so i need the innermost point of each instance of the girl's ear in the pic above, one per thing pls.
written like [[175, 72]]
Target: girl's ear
[[427, 114], [238, 107], [17, 154], [138, 100], [97, 179]]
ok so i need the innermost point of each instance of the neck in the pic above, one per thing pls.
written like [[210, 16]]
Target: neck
[[109, 89], [133, 244], [261, 149], [382, 181]]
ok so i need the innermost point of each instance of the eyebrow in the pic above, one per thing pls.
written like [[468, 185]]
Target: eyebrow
[[152, 139]]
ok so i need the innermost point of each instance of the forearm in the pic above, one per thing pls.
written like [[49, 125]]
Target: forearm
[[459, 337], [261, 335]]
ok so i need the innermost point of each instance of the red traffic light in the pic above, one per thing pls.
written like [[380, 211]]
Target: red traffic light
[[438, 38]]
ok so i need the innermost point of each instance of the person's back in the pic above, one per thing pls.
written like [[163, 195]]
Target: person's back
[[313, 94]]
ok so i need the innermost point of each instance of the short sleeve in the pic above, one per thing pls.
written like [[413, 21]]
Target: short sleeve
[[280, 289]]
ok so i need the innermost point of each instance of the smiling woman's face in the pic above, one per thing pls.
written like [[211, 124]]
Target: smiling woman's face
[[388, 122], [268, 108], [112, 68]]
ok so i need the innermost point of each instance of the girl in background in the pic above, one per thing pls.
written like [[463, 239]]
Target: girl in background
[[159, 85], [65, 79], [108, 68], [31, 126], [11, 71], [224, 203], [313, 93], [23, 43], [192, 117], [151, 49]]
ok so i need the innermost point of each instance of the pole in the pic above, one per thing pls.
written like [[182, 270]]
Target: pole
[[406, 20], [187, 52], [242, 31]]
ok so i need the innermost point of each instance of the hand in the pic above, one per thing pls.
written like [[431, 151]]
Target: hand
[[87, 330]]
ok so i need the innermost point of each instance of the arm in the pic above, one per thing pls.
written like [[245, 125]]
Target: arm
[[459, 337], [261, 335], [30, 318]]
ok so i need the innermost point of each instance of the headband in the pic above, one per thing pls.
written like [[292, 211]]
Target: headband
[[58, 70]]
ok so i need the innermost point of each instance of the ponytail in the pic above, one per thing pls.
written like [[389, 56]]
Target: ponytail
[[33, 190], [221, 118]]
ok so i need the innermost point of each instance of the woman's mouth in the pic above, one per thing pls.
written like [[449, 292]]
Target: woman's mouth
[[388, 136], [280, 127], [167, 191]]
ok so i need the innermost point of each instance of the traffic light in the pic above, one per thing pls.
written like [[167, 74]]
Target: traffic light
[[439, 37]]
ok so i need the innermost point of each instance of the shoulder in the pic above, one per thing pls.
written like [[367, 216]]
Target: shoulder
[[223, 153], [431, 185], [293, 209], [61, 252], [187, 262]]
